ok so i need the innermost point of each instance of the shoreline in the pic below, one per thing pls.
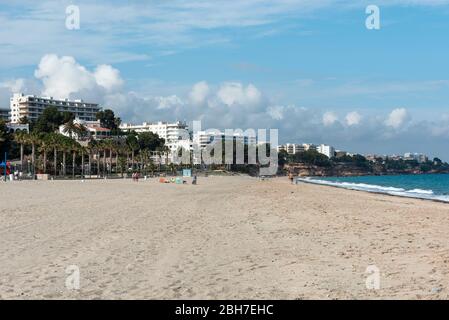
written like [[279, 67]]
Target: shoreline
[[373, 192]]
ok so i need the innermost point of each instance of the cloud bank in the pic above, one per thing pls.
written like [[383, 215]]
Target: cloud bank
[[235, 105]]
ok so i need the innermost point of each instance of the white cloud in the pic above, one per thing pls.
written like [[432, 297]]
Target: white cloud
[[63, 76], [169, 102], [353, 118], [108, 77], [234, 93], [198, 94], [13, 86], [276, 112], [397, 118], [329, 118], [231, 105]]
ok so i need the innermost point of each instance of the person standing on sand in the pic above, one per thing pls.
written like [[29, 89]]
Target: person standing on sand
[[290, 176]]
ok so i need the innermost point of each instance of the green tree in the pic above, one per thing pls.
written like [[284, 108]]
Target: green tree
[[109, 120], [150, 141], [4, 138], [45, 147], [34, 139], [49, 120]]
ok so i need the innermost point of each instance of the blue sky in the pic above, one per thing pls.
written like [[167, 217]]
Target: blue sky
[[309, 68]]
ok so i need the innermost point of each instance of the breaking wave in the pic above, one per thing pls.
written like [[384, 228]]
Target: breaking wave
[[413, 193]]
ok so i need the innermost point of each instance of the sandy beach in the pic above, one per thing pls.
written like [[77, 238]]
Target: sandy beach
[[226, 238]]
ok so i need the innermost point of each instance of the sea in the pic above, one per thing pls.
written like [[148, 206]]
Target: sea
[[423, 186]]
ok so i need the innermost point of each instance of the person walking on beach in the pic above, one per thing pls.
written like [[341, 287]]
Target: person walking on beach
[[290, 177]]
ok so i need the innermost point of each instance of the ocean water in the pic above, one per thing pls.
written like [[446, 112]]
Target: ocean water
[[425, 186]]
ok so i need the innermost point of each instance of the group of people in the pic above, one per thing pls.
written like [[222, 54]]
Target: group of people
[[135, 176]]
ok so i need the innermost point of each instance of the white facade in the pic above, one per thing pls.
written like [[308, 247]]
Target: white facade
[[203, 138], [291, 148], [33, 106], [309, 146], [328, 151], [416, 156], [170, 132], [15, 127]]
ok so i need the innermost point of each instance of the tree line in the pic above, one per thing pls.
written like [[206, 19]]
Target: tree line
[[45, 150]]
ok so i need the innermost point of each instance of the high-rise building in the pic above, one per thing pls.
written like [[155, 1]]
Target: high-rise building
[[328, 151], [32, 107]]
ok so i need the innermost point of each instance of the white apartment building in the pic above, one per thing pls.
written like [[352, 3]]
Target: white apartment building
[[309, 146], [291, 148], [203, 138], [328, 151], [415, 156], [170, 132], [32, 107]]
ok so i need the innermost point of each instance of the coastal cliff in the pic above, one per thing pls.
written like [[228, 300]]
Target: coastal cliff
[[349, 169]]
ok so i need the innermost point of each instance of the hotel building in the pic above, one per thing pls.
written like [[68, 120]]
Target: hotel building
[[291, 148], [32, 107], [328, 151], [170, 132], [203, 138], [419, 157]]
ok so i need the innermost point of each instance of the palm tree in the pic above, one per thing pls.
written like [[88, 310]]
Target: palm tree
[[66, 146], [45, 146], [33, 139], [145, 157], [83, 151], [152, 167], [102, 147], [21, 138], [70, 128], [110, 145], [82, 131], [92, 148], [55, 142], [75, 147], [133, 144]]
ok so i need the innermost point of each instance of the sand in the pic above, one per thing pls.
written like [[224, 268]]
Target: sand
[[226, 238]]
